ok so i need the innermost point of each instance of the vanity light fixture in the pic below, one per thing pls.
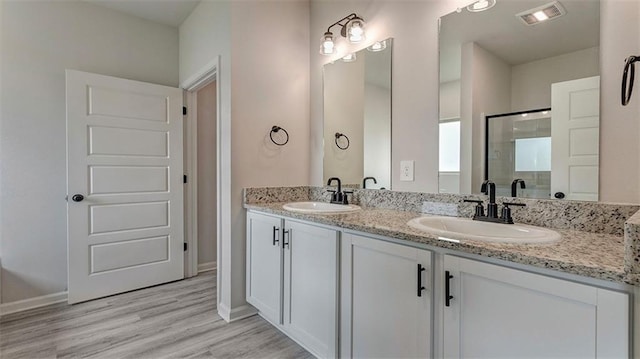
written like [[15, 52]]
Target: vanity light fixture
[[349, 57], [327, 47], [355, 30], [352, 28], [542, 13], [481, 5], [378, 46]]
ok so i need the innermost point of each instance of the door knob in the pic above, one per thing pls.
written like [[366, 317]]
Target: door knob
[[559, 195], [77, 198]]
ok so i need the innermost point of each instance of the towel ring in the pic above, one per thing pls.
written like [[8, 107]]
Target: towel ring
[[629, 72], [276, 129], [338, 135]]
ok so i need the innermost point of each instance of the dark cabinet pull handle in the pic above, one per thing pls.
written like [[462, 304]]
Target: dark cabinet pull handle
[[286, 243], [77, 198], [420, 286], [447, 289], [559, 195], [275, 237]]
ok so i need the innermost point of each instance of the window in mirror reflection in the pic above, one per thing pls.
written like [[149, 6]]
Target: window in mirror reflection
[[449, 156], [533, 154], [519, 147]]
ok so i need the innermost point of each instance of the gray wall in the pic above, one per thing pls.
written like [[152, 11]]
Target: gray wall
[[263, 49], [39, 41], [207, 196], [531, 82]]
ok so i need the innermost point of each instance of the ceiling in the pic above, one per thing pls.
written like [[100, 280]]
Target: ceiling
[[168, 12], [500, 32]]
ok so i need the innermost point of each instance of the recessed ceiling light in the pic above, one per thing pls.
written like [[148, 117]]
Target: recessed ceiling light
[[540, 15], [481, 5]]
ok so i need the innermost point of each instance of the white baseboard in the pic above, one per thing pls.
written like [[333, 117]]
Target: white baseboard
[[32, 303], [241, 312], [205, 267]]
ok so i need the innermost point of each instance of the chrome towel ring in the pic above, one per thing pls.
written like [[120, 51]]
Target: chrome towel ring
[[276, 129], [628, 74], [338, 135]]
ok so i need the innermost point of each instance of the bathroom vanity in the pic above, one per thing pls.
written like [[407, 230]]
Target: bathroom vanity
[[365, 284], [292, 279]]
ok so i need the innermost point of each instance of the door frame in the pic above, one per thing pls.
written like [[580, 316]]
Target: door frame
[[191, 86]]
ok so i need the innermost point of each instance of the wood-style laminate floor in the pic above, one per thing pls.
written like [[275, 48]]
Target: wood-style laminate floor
[[174, 320]]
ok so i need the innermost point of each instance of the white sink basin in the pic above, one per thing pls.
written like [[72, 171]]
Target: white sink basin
[[320, 207], [466, 228]]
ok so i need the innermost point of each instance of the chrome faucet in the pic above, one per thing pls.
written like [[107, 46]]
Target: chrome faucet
[[364, 181], [514, 186]]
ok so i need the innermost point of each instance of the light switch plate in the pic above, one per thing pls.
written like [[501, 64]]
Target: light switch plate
[[406, 170]]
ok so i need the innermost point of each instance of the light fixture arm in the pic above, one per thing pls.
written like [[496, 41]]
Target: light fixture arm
[[343, 30]]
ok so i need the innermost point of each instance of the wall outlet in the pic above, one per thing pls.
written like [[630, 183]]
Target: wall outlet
[[406, 170]]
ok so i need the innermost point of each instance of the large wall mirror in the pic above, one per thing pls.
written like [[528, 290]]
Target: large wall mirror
[[497, 67], [357, 117]]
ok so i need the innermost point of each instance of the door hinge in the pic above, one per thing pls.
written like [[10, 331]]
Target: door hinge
[[184, 178], [184, 110], [185, 246]]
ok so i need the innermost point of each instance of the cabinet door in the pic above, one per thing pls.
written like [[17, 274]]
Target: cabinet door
[[384, 313], [264, 265], [311, 287], [497, 312]]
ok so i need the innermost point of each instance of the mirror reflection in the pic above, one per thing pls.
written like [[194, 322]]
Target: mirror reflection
[[518, 154], [357, 118], [509, 60]]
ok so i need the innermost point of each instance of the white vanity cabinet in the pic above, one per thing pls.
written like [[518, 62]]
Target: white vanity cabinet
[[265, 265], [292, 279], [386, 298], [496, 312]]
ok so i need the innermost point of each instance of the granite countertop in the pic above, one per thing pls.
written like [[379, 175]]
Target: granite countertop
[[594, 255]]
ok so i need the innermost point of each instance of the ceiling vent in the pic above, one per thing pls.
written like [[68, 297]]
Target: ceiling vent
[[542, 13]]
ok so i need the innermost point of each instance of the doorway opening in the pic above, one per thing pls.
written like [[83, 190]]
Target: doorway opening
[[202, 168]]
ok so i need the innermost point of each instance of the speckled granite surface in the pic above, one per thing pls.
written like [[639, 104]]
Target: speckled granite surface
[[576, 215], [276, 194], [582, 216], [632, 246], [596, 241]]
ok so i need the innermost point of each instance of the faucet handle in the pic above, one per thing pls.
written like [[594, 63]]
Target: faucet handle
[[345, 200], [506, 211], [479, 208], [334, 195]]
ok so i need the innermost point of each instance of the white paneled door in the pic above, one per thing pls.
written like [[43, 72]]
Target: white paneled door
[[124, 185], [575, 131]]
